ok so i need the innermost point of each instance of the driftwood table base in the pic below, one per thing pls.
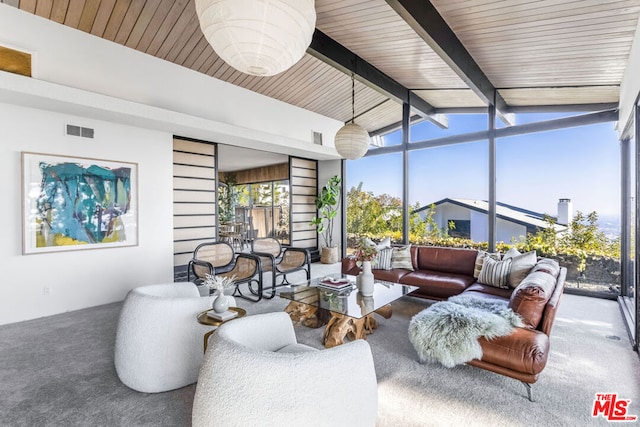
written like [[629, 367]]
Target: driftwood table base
[[347, 315], [341, 327], [304, 314]]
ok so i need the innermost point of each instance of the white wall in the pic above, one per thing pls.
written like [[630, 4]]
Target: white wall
[[479, 226], [448, 211], [82, 278], [507, 230], [630, 87]]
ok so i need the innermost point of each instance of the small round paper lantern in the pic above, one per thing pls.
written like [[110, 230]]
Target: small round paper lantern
[[352, 141], [258, 37]]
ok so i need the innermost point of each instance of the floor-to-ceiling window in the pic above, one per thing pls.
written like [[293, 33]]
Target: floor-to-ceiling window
[[631, 292], [374, 198], [448, 194], [447, 183], [630, 152], [629, 229], [558, 192]]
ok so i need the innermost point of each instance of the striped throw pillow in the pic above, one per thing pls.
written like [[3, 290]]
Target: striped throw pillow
[[495, 273], [401, 258], [480, 260], [383, 261]]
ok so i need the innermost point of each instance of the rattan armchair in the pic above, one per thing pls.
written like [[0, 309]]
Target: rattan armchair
[[280, 261], [219, 259]]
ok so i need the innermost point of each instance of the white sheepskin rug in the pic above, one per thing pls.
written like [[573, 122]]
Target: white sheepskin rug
[[448, 331]]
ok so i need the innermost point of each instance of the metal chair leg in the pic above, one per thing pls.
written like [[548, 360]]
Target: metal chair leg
[[259, 294], [529, 391]]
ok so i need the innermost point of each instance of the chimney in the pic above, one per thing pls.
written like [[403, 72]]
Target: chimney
[[565, 211]]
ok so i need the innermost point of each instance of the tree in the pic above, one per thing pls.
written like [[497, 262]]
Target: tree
[[584, 233], [417, 226], [364, 213], [369, 215]]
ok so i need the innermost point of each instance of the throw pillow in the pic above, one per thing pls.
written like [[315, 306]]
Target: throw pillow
[[384, 243], [547, 265], [367, 241], [401, 258], [521, 265], [495, 273], [480, 260], [531, 296], [511, 253], [383, 261]]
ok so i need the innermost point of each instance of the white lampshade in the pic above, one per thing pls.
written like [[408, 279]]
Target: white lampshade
[[352, 141], [258, 37]]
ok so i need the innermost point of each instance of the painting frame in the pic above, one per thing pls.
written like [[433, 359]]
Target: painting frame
[[77, 203]]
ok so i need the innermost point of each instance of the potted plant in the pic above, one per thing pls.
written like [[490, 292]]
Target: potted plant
[[327, 203]]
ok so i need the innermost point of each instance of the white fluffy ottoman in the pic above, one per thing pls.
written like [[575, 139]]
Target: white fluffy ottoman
[[158, 340]]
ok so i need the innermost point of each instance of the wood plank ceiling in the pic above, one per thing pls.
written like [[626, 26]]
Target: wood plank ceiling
[[535, 52]]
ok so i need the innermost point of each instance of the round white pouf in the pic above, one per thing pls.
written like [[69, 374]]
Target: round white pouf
[[158, 339]]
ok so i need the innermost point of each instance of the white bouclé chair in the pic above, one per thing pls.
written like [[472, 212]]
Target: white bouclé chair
[[159, 342], [255, 373]]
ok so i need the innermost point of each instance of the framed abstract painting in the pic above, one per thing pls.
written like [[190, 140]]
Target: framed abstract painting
[[72, 203]]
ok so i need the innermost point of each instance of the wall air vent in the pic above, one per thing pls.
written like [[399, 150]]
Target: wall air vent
[[317, 138], [74, 130]]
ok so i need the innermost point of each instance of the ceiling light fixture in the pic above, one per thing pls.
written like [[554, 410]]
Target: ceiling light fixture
[[258, 37], [352, 141]]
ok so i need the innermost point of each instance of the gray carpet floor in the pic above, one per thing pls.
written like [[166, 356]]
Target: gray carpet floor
[[58, 371]]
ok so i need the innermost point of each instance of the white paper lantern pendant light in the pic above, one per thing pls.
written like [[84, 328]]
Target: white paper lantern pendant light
[[258, 37], [352, 141]]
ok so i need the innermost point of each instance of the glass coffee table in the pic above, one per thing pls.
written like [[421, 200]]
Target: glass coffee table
[[345, 312]]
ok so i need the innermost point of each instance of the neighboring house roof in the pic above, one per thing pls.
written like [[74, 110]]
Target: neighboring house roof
[[529, 219]]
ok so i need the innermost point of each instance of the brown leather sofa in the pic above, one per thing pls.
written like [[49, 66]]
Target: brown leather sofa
[[443, 272]]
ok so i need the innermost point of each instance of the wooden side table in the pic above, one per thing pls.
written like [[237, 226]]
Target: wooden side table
[[210, 321]]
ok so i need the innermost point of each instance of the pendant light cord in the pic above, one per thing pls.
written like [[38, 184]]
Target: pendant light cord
[[353, 98]]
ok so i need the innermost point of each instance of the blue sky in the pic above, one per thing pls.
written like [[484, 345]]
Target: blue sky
[[533, 171]]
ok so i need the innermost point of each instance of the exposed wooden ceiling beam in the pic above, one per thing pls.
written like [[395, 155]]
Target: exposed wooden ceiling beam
[[395, 126], [425, 20], [333, 53], [561, 108]]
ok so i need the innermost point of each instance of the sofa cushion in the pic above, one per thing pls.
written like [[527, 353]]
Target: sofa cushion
[[446, 260], [495, 273], [390, 275], [479, 290], [436, 284], [480, 260], [531, 296], [401, 258], [521, 265]]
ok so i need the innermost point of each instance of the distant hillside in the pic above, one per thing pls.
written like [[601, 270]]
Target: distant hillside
[[610, 225]]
